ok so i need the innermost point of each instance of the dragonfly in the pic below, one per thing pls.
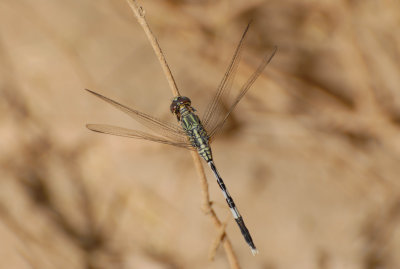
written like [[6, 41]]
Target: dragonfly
[[193, 133]]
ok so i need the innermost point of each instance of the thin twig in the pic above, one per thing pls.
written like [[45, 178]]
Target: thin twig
[[206, 204], [217, 241], [140, 16]]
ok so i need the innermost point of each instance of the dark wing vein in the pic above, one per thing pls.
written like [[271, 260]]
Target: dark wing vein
[[213, 112], [168, 130], [119, 131], [242, 92]]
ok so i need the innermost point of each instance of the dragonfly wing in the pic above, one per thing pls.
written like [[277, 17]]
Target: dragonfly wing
[[243, 91], [166, 129], [213, 113], [119, 131]]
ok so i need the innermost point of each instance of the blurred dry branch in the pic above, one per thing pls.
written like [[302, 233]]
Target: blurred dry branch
[[312, 154], [32, 167]]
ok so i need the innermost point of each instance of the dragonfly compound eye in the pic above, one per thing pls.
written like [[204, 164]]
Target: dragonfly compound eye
[[185, 100], [178, 101], [174, 105]]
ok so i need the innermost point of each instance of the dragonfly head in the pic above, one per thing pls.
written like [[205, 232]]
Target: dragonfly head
[[177, 103]]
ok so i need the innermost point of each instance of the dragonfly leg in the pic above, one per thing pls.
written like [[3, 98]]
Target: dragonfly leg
[[235, 212]]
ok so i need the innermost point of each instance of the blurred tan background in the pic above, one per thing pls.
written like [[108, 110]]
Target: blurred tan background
[[311, 155]]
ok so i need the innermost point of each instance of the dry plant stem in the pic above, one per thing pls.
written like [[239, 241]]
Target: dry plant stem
[[206, 206], [217, 241], [140, 16], [139, 13]]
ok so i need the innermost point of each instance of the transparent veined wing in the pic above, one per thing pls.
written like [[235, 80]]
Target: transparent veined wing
[[168, 130], [213, 114], [119, 131], [242, 92]]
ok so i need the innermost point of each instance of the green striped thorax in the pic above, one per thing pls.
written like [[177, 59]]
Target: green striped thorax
[[181, 107]]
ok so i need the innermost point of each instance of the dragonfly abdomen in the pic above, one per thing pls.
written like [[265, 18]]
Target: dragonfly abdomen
[[235, 212]]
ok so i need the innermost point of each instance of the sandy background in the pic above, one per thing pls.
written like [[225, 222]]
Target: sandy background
[[311, 155]]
